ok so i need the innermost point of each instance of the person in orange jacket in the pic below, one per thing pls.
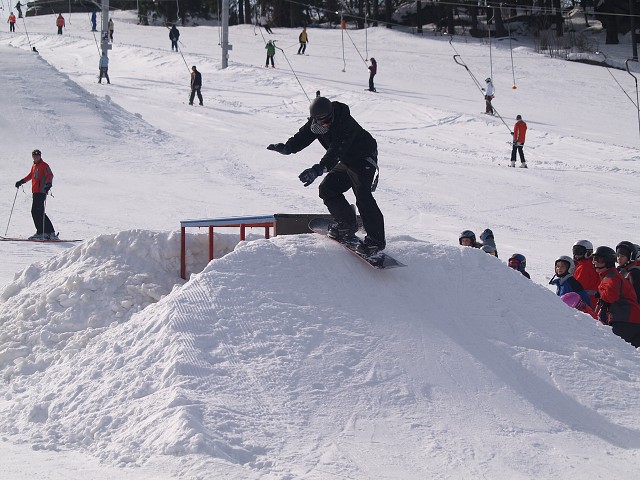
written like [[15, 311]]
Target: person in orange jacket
[[617, 302], [60, 23], [12, 22], [519, 133], [585, 272], [41, 178]]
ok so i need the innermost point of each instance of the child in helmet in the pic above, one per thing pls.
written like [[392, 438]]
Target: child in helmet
[[584, 271], [565, 281], [628, 265], [518, 262], [617, 303], [573, 300], [468, 239], [271, 51]]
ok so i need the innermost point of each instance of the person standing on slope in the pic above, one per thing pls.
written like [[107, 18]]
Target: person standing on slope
[[12, 22], [41, 182], [373, 69], [60, 23], [351, 160], [103, 65], [196, 85], [174, 36], [271, 51], [303, 38], [519, 133], [489, 95], [111, 28]]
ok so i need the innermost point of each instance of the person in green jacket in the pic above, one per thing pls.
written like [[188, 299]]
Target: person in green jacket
[[271, 51]]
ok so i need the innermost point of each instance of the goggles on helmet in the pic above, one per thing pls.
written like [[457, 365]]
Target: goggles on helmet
[[579, 250]]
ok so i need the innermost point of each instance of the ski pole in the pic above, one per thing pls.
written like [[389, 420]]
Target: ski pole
[[44, 214], [11, 214]]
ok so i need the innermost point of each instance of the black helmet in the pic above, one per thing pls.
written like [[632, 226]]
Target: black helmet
[[627, 249], [320, 107], [606, 255], [467, 234]]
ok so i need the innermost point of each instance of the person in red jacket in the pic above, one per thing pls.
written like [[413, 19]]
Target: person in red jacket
[[628, 265], [519, 133], [60, 23], [41, 182], [585, 272], [12, 22], [617, 303]]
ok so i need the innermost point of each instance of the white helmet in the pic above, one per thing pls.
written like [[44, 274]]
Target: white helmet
[[568, 260], [586, 245]]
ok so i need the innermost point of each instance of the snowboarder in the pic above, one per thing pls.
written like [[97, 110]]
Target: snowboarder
[[19, 9], [60, 23], [111, 28], [351, 160], [12, 22], [196, 85], [628, 265], [271, 51], [94, 26], [489, 95], [518, 262], [303, 38], [519, 133], [174, 35], [564, 280], [373, 69], [585, 272], [103, 65], [618, 305], [41, 182]]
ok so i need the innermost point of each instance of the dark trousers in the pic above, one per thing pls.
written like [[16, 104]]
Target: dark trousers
[[59, 30], [302, 48], [517, 148], [359, 178], [267, 62], [371, 86], [628, 331], [40, 218], [174, 44], [12, 27], [487, 104], [103, 73], [194, 91]]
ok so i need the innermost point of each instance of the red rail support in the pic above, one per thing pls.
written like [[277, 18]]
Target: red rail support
[[266, 221]]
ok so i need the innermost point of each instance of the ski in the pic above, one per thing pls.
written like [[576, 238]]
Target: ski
[[11, 239], [380, 260]]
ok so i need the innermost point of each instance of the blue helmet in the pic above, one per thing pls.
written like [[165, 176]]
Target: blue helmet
[[517, 261]]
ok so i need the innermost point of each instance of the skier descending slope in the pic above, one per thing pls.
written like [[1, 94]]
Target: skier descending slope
[[351, 161]]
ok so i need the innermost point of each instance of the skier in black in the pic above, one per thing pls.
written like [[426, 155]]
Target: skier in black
[[351, 161], [174, 36], [196, 85]]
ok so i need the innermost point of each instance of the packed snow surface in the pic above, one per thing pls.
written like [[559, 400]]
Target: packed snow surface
[[286, 357]]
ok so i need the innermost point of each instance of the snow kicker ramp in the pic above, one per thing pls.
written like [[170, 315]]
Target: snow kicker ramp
[[288, 358]]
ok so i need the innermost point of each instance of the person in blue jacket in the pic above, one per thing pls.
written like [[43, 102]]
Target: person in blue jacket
[[565, 281]]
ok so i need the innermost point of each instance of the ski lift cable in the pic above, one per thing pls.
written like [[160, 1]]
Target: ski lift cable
[[293, 71]]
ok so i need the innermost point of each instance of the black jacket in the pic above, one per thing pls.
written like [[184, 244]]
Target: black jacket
[[196, 79], [346, 141], [174, 34]]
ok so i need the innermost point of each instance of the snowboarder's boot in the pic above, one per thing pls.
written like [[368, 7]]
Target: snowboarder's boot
[[342, 230]]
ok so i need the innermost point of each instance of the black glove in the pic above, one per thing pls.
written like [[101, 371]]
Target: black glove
[[47, 187], [19, 182], [280, 148], [310, 174]]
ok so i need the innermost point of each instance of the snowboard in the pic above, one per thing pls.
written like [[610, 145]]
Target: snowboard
[[10, 239], [380, 260]]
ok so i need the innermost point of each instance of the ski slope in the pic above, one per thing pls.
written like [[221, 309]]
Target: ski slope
[[286, 357]]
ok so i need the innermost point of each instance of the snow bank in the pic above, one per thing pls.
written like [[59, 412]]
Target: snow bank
[[288, 355]]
